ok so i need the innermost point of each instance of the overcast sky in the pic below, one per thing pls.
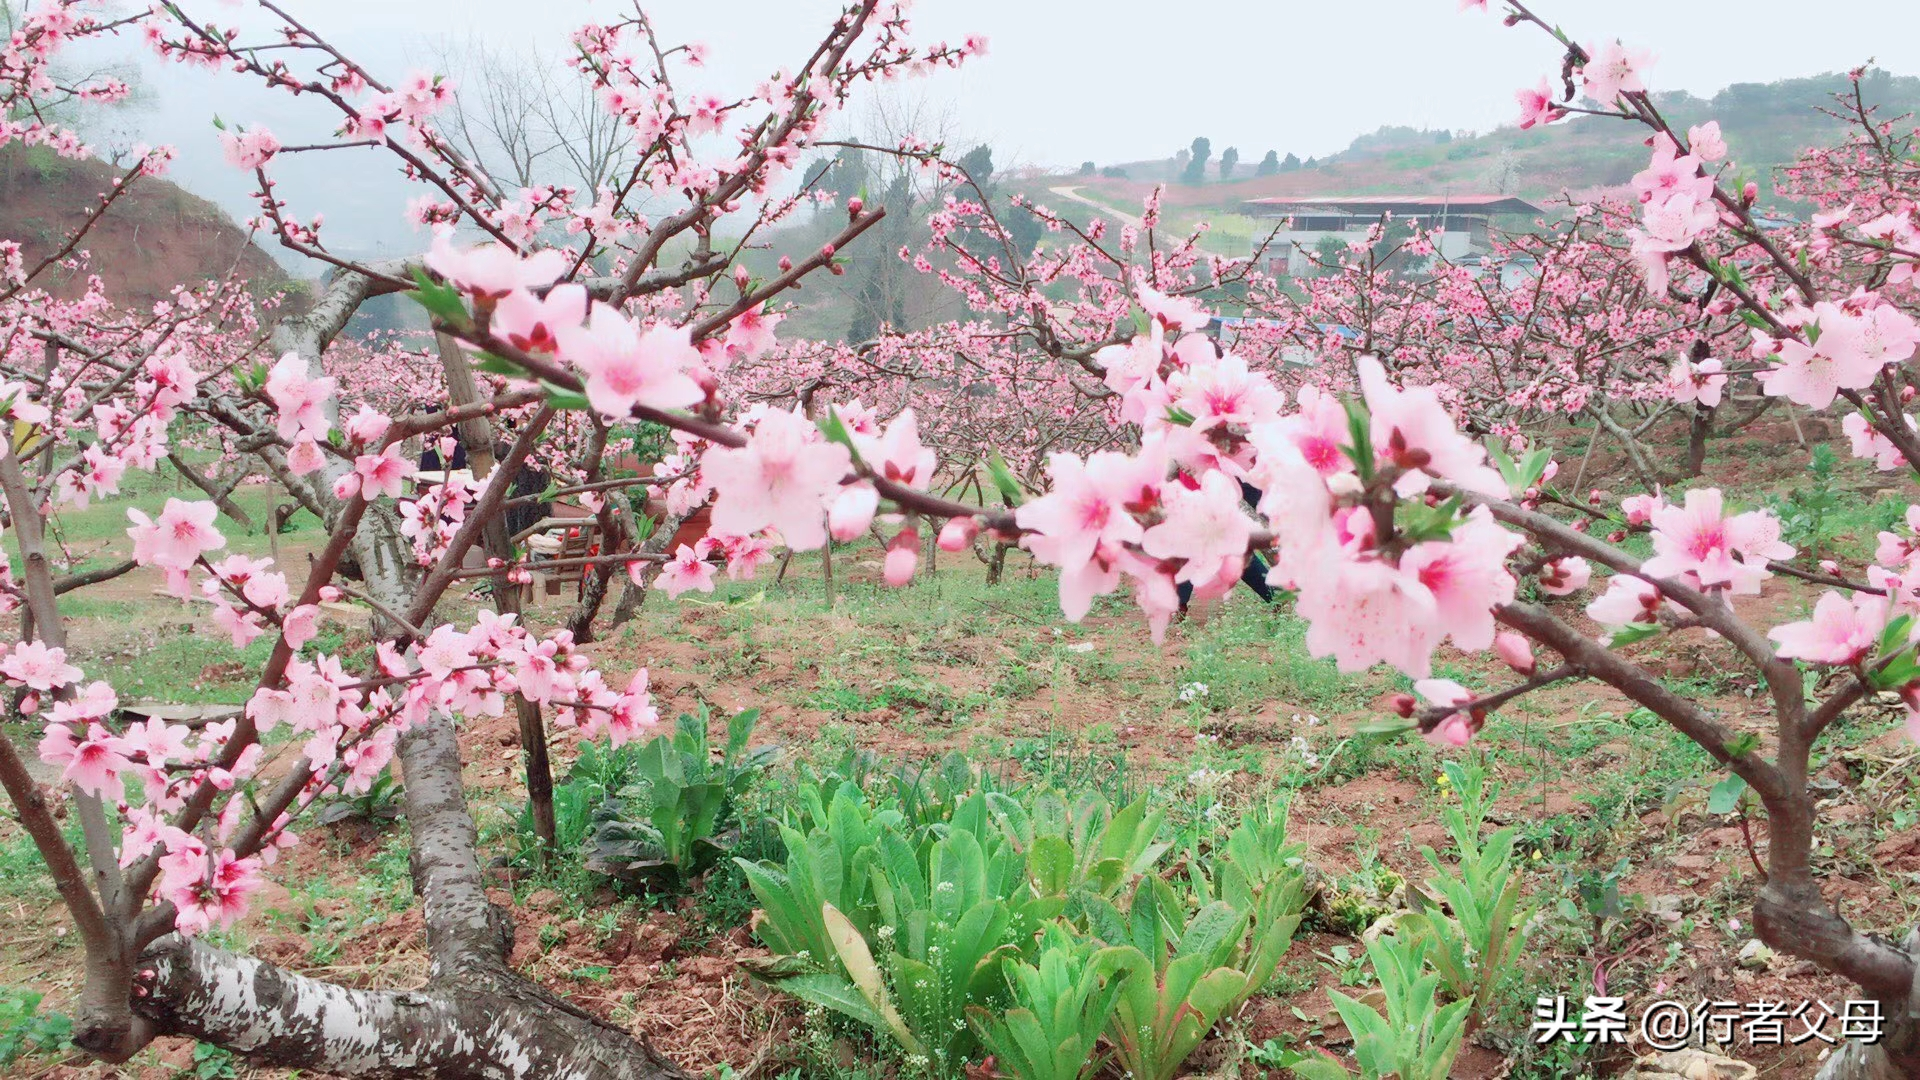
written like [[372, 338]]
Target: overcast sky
[[1113, 80]]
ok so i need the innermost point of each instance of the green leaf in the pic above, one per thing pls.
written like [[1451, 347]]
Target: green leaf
[[441, 301], [1725, 796], [496, 365], [1632, 633], [1003, 480], [1743, 744], [835, 430], [564, 399], [832, 992], [1385, 727], [1361, 451], [1896, 633]]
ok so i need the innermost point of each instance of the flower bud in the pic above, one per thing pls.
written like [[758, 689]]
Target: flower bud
[[786, 263], [1750, 194], [854, 206], [958, 533], [903, 556], [1403, 704], [852, 511], [1516, 651]]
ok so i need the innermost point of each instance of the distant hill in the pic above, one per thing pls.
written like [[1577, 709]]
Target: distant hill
[[1765, 125], [156, 236]]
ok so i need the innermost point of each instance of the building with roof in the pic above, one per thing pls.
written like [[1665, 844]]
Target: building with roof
[[1308, 223]]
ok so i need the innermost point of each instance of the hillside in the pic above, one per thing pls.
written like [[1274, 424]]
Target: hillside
[[1765, 125], [155, 237]]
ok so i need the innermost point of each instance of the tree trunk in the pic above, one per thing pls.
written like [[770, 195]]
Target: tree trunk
[[998, 565], [632, 594], [475, 1017], [1697, 432], [477, 434], [1897, 1055]]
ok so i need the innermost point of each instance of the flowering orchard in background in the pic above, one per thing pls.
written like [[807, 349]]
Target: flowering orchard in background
[[1398, 529]]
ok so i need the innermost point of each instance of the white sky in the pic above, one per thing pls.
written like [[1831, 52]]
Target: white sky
[[1110, 80]]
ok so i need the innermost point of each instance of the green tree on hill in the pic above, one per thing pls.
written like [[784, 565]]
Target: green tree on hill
[[1229, 160], [1196, 171], [1268, 165]]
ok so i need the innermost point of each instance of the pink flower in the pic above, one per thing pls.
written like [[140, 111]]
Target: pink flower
[[300, 625], [533, 325], [1225, 392], [1627, 600], [751, 334], [633, 715], [241, 626], [901, 560], [1672, 175], [1412, 429], [1206, 528], [625, 367], [156, 741], [745, 555], [1614, 71], [1564, 576], [1639, 508], [1173, 312], [366, 426], [1466, 576], [175, 542], [96, 764], [1516, 651], [1869, 443], [852, 511], [1453, 729], [1537, 105], [897, 455], [300, 401], [490, 271], [1362, 611], [1701, 382], [444, 651], [305, 457], [782, 479], [37, 666], [1844, 351], [1842, 631], [688, 570], [219, 899], [958, 533], [384, 473], [1672, 224], [1087, 505], [1699, 539], [1706, 142], [249, 149]]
